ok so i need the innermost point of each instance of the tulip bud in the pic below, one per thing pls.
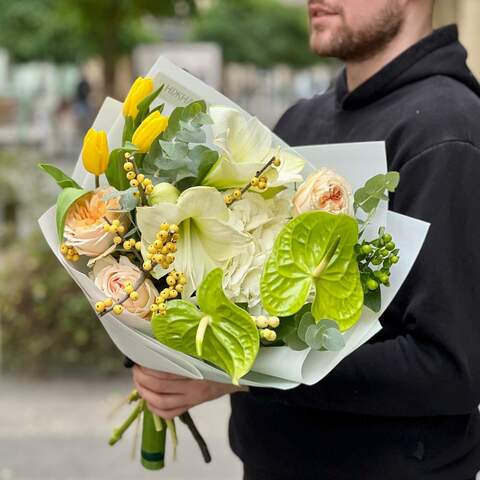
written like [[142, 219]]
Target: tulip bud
[[141, 88], [163, 193], [149, 130], [95, 152]]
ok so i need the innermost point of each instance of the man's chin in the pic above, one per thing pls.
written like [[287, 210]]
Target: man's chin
[[320, 43]]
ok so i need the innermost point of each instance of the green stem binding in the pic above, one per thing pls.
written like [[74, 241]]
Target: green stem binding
[[153, 443]]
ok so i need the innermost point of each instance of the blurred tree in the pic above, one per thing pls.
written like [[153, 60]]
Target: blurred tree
[[261, 32], [70, 30]]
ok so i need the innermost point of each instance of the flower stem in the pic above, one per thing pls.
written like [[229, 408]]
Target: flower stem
[[97, 181], [118, 432], [188, 421], [143, 198]]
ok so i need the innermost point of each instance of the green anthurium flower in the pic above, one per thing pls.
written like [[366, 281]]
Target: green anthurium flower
[[315, 251], [207, 240], [246, 146], [218, 331]]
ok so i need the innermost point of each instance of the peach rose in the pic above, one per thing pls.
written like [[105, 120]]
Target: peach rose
[[324, 190], [85, 220], [110, 277]]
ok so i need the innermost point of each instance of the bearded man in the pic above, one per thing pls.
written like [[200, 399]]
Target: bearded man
[[405, 405]]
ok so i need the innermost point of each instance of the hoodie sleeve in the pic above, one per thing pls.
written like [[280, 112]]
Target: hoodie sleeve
[[433, 366]]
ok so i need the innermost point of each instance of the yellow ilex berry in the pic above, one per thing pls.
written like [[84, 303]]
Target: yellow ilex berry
[[127, 245], [228, 199], [140, 177], [106, 227], [128, 166], [171, 281], [154, 308], [108, 302], [182, 280], [134, 183], [138, 246], [261, 321], [254, 181], [273, 322], [64, 249], [147, 182], [117, 309], [136, 194], [171, 247], [128, 288], [237, 194], [116, 223], [134, 296], [75, 258], [117, 240], [71, 252], [165, 226], [131, 175], [147, 265], [277, 162], [112, 229], [268, 335], [162, 306], [173, 228], [262, 185], [121, 229], [148, 189], [100, 307], [179, 288], [173, 293], [157, 244]]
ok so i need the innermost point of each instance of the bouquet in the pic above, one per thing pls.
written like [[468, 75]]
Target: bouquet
[[211, 249]]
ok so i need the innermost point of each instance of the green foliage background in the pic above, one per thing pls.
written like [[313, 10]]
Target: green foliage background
[[261, 32], [46, 324]]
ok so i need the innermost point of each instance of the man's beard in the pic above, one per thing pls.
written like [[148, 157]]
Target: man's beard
[[350, 45]]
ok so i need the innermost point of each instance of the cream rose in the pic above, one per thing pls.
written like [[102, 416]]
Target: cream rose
[[110, 277], [324, 190], [85, 220]]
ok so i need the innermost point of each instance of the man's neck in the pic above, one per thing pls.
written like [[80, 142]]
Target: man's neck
[[359, 72]]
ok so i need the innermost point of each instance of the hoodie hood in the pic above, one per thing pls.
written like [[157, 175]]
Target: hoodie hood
[[438, 54]]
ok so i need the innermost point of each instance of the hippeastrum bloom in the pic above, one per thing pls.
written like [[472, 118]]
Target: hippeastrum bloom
[[141, 88], [95, 152], [207, 235], [149, 130], [247, 145]]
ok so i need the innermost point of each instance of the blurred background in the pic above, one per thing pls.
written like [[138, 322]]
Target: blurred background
[[60, 375]]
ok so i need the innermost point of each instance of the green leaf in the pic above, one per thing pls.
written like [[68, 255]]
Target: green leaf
[[332, 339], [128, 130], [369, 196], [63, 181], [315, 251], [144, 106], [218, 331], [373, 300], [115, 173], [203, 159], [191, 111], [173, 124], [68, 196]]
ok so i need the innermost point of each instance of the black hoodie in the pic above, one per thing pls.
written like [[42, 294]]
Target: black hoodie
[[403, 406]]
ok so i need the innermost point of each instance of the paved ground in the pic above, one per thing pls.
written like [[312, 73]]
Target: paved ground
[[58, 430]]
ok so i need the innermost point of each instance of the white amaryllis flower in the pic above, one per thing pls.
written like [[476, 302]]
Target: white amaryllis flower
[[262, 220], [246, 146], [208, 238], [110, 277], [324, 190], [85, 220]]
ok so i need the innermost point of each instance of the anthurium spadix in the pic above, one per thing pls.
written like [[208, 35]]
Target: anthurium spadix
[[208, 237], [315, 251], [218, 331], [246, 146]]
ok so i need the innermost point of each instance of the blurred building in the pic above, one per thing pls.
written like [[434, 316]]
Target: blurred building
[[467, 14]]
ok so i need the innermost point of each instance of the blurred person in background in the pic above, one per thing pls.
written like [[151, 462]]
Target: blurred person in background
[[81, 105], [405, 405]]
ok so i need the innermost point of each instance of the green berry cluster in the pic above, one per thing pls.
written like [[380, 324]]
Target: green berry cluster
[[375, 259]]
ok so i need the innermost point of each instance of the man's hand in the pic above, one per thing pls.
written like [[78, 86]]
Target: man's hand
[[169, 395]]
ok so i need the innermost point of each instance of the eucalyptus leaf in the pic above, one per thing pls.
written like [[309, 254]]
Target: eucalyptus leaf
[[218, 331], [202, 119], [305, 322], [193, 109], [173, 124], [174, 151], [315, 251], [191, 136], [332, 340], [294, 342], [63, 181], [68, 196], [314, 337]]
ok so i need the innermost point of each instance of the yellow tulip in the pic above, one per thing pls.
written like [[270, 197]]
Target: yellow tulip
[[149, 130], [141, 88], [95, 152]]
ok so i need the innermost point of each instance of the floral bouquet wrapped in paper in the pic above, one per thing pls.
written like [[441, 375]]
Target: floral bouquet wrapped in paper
[[211, 249]]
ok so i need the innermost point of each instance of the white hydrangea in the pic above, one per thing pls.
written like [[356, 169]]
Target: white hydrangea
[[262, 220]]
